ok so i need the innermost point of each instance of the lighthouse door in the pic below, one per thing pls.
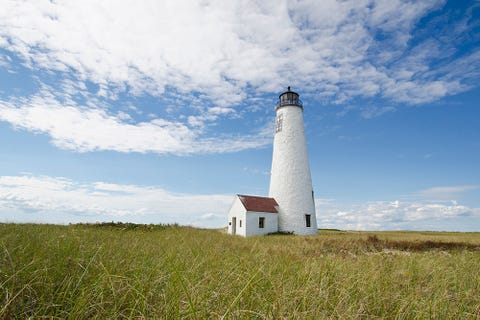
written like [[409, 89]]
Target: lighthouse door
[[234, 225]]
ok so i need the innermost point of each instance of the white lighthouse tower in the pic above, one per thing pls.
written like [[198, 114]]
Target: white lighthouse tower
[[291, 181]]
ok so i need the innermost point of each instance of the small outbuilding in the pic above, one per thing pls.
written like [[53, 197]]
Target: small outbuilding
[[252, 215]]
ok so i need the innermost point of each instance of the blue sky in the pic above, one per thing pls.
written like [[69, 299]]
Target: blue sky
[[160, 112]]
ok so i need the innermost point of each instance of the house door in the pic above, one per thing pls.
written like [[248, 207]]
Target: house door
[[234, 225]]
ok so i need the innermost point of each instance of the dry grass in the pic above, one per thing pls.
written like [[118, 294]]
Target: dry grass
[[168, 272]]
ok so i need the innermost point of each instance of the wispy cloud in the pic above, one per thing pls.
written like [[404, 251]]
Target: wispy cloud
[[372, 111], [56, 199], [436, 208], [446, 192], [82, 129], [396, 215], [225, 49], [29, 198]]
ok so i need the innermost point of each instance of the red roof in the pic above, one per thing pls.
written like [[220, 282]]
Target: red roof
[[259, 204]]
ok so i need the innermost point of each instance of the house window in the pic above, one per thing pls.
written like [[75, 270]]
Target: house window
[[261, 222], [308, 222], [240, 223], [279, 125]]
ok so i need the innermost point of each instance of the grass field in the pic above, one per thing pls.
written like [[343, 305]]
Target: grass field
[[169, 272]]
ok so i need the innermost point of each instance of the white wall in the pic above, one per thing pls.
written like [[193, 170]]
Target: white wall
[[291, 181], [270, 225], [238, 211]]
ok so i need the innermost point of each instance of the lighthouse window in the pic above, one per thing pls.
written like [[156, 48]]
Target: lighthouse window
[[261, 222], [279, 126], [240, 223], [308, 221]]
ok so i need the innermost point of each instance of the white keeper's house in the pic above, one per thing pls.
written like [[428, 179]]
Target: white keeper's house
[[290, 206]]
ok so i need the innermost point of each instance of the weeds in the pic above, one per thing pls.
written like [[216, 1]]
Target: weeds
[[420, 245], [170, 272]]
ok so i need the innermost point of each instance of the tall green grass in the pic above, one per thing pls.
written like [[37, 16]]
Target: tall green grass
[[169, 272]]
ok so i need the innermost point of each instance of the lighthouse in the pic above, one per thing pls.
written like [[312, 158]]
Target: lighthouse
[[290, 180], [290, 206]]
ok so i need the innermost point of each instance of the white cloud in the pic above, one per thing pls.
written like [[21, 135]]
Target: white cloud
[[436, 208], [84, 129], [212, 216], [230, 50], [39, 198], [446, 193], [3, 61], [396, 215], [30, 198], [372, 111]]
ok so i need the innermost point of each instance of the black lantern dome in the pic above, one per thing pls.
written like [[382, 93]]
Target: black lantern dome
[[289, 98]]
